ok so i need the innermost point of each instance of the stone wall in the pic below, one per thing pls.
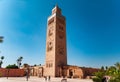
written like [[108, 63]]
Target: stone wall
[[88, 72], [73, 71], [12, 72], [67, 71]]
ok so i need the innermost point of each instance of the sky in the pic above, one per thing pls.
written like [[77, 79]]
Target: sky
[[93, 31]]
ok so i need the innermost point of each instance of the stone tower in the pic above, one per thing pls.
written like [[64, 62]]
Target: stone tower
[[56, 51]]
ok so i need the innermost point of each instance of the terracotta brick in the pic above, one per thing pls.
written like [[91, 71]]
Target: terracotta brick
[[12, 72]]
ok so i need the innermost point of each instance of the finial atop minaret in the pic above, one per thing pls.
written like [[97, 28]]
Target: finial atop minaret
[[56, 5], [56, 10]]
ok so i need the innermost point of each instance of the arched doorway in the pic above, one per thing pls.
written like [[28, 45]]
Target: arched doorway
[[70, 73]]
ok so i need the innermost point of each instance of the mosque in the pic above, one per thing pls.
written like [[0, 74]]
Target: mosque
[[56, 51]]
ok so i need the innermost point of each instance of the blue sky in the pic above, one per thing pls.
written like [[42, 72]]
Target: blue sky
[[93, 31]]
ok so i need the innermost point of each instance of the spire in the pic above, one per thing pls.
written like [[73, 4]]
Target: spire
[[56, 9]]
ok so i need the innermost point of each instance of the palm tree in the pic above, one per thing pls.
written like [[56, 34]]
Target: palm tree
[[1, 63], [106, 67], [102, 68], [1, 39], [2, 57], [19, 60], [1, 60]]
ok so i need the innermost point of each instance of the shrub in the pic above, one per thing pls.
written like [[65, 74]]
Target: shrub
[[97, 79]]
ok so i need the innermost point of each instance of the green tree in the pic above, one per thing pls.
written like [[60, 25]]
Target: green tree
[[102, 68], [117, 65], [106, 67], [113, 72], [14, 66], [99, 75], [35, 65]]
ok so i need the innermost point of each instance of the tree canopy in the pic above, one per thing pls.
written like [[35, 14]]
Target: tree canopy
[[14, 66], [113, 72]]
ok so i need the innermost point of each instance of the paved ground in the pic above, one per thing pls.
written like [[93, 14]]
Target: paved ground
[[36, 79]]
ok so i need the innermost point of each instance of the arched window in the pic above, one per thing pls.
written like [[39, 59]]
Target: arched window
[[61, 51], [49, 46], [50, 31]]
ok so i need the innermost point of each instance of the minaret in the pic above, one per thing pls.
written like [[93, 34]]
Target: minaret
[[56, 51]]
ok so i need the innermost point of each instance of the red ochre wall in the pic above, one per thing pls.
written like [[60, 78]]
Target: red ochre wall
[[12, 72]]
